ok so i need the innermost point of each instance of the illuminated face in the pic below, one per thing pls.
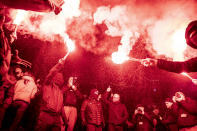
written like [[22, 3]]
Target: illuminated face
[[116, 98], [12, 37], [156, 111], [96, 92], [140, 109], [70, 81], [168, 104], [18, 73]]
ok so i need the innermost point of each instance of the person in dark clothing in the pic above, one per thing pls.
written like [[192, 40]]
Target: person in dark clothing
[[175, 66], [71, 94], [117, 112], [52, 100], [8, 86], [186, 112], [157, 118], [142, 121], [92, 113], [169, 118]]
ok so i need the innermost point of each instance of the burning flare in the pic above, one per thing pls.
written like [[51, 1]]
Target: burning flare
[[20, 16], [69, 43], [119, 57]]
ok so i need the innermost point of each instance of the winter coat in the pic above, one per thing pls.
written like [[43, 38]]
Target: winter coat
[[117, 112], [142, 122], [71, 96], [91, 112], [186, 113], [52, 95], [169, 120], [159, 126]]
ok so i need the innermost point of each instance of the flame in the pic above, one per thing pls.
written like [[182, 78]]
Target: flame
[[165, 26], [179, 44], [19, 17], [119, 57], [70, 43]]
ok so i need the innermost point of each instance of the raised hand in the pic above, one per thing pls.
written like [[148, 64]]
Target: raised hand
[[149, 62], [109, 89]]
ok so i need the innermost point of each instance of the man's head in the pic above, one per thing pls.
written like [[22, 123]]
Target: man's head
[[94, 93], [116, 98], [168, 103], [18, 72], [156, 111], [72, 81], [58, 79], [191, 34], [140, 108]]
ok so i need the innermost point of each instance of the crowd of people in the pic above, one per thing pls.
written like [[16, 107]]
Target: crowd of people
[[57, 99], [58, 107]]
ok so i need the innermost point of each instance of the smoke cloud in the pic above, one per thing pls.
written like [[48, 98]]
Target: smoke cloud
[[105, 27]]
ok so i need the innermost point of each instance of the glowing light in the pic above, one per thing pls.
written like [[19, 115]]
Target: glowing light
[[188, 76], [70, 43], [119, 57], [123, 50], [179, 44], [19, 17]]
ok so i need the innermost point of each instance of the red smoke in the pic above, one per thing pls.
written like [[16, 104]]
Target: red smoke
[[98, 26]]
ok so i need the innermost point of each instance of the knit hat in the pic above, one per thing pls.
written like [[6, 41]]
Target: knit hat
[[93, 93]]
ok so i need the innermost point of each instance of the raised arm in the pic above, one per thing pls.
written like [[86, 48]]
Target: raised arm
[[178, 67], [83, 108], [55, 69], [5, 53]]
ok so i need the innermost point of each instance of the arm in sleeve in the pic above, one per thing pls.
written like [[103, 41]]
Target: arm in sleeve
[[5, 53], [190, 105], [178, 67], [83, 108], [79, 94], [134, 119], [10, 96], [169, 120], [126, 115], [55, 69], [105, 97]]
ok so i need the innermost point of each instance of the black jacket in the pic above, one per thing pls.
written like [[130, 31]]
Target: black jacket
[[186, 113], [178, 67], [170, 119]]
